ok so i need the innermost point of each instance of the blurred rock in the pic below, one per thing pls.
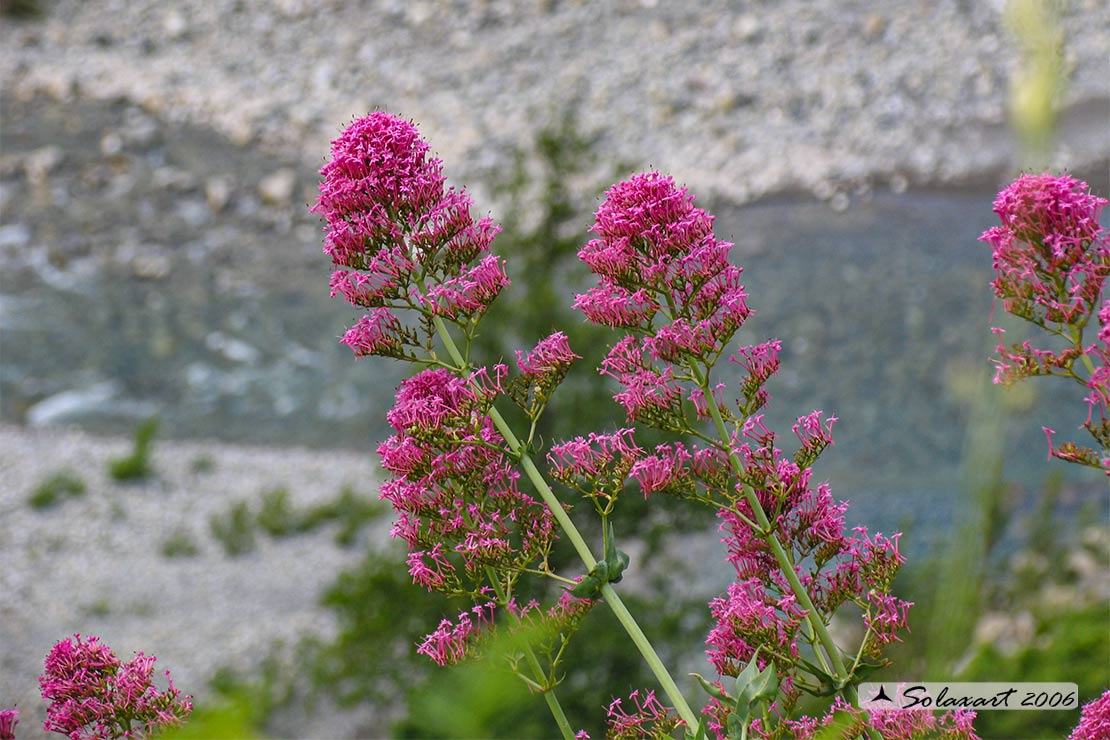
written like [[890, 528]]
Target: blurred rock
[[217, 191], [14, 235], [41, 162], [277, 188], [151, 267], [175, 25]]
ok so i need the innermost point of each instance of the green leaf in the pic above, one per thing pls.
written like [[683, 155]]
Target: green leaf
[[713, 689], [601, 572], [746, 676], [737, 725], [765, 687], [587, 588]]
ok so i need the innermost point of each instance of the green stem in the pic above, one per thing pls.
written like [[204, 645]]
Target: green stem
[[579, 543], [548, 690], [766, 531], [552, 700]]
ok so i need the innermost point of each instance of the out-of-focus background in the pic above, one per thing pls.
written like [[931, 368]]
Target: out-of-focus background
[[186, 453]]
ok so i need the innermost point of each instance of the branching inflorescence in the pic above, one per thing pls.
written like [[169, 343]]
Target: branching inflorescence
[[1051, 260], [409, 253], [93, 695]]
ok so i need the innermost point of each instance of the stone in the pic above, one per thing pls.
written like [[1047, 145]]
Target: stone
[[277, 188], [41, 162], [217, 191], [151, 267], [175, 25]]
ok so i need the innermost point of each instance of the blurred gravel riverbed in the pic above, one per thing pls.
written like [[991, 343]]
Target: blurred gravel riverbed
[[157, 256]]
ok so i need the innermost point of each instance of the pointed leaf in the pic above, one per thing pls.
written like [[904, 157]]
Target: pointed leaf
[[713, 689]]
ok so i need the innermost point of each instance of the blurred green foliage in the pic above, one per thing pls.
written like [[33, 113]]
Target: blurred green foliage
[[234, 530], [21, 9], [350, 510], [136, 466], [548, 194], [202, 464], [1037, 83], [382, 617], [63, 484], [180, 544], [278, 517], [1071, 646]]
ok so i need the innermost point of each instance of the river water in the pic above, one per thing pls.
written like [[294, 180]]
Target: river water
[[884, 311]]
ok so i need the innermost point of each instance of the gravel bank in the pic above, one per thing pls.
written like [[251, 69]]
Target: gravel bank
[[94, 563], [736, 99]]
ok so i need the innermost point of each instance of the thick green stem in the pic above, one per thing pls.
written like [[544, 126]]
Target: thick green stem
[[579, 543], [650, 656], [768, 535]]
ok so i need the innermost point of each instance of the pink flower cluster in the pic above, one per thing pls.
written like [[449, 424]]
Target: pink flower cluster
[[1094, 720], [393, 227], [94, 695], [889, 725], [760, 608], [9, 718], [454, 489], [1051, 259], [452, 640], [650, 719], [1050, 255], [666, 279], [595, 465], [541, 371]]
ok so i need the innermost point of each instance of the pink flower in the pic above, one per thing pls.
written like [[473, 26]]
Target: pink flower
[[468, 294], [459, 507], [451, 640], [749, 616], [1094, 720], [93, 695], [550, 355], [392, 226], [648, 719], [1050, 254], [615, 306], [377, 333], [9, 718], [886, 616], [597, 464], [543, 369], [666, 468]]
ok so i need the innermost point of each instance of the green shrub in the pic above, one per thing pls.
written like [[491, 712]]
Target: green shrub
[[276, 516], [202, 464], [351, 510], [180, 545], [61, 485], [136, 466], [21, 9], [234, 530]]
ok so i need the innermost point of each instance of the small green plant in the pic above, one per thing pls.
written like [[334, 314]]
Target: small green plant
[[234, 530], [202, 464], [351, 510], [99, 608], [136, 466], [180, 545], [276, 517], [63, 484], [21, 9]]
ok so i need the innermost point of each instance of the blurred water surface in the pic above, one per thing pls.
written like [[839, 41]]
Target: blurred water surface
[[883, 310]]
